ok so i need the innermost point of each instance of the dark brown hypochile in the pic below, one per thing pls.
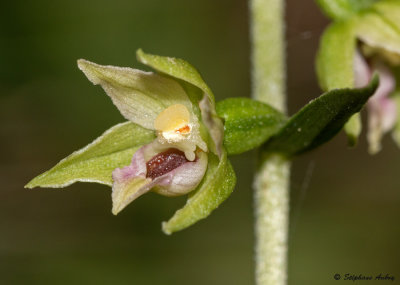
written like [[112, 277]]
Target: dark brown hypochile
[[165, 162]]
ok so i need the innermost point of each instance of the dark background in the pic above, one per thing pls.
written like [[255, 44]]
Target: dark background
[[344, 203]]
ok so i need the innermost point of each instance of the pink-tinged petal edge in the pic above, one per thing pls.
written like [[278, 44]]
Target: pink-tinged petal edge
[[382, 110], [362, 72], [130, 182]]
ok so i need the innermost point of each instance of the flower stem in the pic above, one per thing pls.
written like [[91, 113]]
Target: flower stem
[[272, 179]]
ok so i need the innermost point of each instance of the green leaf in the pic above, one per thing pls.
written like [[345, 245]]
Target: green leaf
[[217, 185], [248, 123], [96, 161], [320, 120], [342, 9]]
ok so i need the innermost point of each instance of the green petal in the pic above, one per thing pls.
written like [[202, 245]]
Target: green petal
[[341, 9], [320, 120], [182, 70], [217, 185], [96, 161], [247, 123], [139, 96]]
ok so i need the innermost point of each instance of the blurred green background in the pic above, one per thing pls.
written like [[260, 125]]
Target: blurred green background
[[344, 203]]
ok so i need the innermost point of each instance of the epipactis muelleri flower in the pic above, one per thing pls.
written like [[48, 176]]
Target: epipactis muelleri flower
[[364, 39], [172, 144]]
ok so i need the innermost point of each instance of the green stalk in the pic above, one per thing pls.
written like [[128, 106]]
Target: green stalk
[[272, 179]]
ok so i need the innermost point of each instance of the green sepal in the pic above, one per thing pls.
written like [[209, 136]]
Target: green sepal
[[320, 120], [177, 68], [96, 161], [335, 66], [335, 57], [342, 9], [247, 123], [216, 186], [139, 96], [353, 129], [390, 11], [377, 32], [182, 70]]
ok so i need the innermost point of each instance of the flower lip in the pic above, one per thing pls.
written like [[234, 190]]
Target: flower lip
[[164, 162], [172, 175]]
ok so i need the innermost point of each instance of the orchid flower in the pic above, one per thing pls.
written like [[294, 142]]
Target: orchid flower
[[363, 40], [176, 161], [173, 139]]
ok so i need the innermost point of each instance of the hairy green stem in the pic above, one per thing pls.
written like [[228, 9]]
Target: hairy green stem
[[272, 179], [271, 210]]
